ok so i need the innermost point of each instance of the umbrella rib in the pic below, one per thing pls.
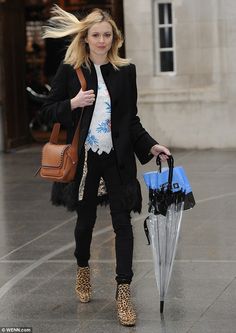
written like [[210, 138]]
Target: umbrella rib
[[169, 222], [166, 252], [159, 246]]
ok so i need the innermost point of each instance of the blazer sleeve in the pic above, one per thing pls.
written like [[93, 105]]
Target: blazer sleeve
[[142, 141], [57, 107]]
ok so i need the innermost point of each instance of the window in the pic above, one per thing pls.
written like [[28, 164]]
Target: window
[[163, 37]]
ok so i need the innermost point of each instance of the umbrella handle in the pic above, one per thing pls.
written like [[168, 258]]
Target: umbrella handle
[[170, 162]]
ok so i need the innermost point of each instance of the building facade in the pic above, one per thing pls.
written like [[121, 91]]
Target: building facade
[[184, 53]]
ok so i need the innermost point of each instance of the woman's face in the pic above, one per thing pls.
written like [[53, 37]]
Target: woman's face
[[99, 39]]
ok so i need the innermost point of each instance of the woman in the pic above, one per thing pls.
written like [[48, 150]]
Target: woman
[[110, 136]]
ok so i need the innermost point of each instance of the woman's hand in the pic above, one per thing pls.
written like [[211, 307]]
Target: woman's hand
[[82, 99], [157, 149]]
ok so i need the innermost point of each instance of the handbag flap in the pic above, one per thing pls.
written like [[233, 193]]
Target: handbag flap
[[52, 155]]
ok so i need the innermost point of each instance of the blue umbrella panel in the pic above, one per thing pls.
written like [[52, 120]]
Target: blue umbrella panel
[[168, 185]]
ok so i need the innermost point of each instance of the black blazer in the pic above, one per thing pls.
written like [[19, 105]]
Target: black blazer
[[128, 135]]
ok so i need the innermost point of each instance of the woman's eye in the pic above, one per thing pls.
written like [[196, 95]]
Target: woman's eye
[[106, 35]]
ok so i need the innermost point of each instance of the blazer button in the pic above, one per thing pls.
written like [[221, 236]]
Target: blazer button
[[121, 166]]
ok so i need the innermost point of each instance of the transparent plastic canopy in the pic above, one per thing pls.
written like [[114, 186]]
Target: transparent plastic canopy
[[164, 234]]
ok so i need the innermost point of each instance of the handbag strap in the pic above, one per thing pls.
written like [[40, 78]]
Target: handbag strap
[[83, 84], [56, 127]]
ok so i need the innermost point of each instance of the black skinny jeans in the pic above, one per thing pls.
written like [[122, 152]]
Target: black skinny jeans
[[105, 166]]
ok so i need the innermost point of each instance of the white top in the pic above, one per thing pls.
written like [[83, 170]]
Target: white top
[[99, 134]]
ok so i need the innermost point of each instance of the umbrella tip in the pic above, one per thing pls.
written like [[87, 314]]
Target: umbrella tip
[[161, 306]]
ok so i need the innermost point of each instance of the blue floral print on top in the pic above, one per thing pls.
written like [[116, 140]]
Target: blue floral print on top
[[91, 139], [108, 107], [104, 126], [99, 134]]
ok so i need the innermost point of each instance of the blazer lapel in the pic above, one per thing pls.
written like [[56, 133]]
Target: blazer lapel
[[111, 78]]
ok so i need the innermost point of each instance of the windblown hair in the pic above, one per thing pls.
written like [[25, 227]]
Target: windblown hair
[[63, 24]]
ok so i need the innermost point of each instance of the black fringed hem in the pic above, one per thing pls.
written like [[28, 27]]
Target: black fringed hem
[[103, 200], [133, 197], [66, 194]]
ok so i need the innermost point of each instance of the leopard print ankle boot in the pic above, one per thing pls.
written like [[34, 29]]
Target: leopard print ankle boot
[[125, 310], [83, 286]]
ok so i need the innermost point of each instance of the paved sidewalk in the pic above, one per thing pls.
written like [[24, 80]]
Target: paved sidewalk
[[37, 267]]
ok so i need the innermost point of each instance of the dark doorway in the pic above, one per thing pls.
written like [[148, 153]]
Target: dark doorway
[[12, 65]]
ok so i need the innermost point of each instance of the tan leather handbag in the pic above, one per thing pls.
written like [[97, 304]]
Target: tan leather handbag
[[59, 161]]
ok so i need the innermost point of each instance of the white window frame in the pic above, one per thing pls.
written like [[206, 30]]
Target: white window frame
[[156, 36]]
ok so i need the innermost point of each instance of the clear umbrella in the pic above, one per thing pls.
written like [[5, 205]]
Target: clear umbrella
[[162, 227], [164, 234]]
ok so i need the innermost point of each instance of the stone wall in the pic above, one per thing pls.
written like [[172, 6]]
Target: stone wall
[[195, 107]]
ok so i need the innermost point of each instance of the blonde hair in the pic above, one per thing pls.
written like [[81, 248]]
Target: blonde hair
[[63, 24]]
